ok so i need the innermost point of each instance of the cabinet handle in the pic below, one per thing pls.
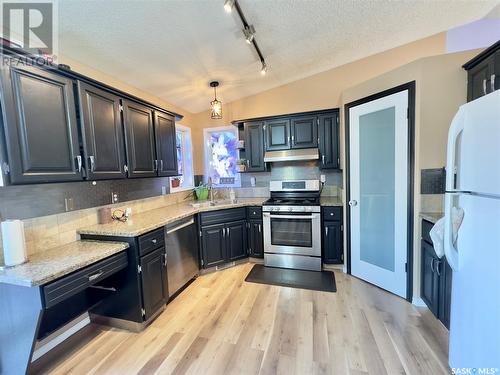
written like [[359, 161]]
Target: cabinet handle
[[92, 163], [228, 233], [323, 159], [156, 165], [165, 259], [78, 163], [154, 241], [293, 138], [95, 276], [437, 268], [492, 81], [484, 86], [161, 165], [260, 230], [223, 232], [432, 265], [326, 231]]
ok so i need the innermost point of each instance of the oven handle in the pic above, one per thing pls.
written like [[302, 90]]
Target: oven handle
[[289, 216]]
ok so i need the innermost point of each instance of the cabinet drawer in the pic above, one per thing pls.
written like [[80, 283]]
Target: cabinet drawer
[[151, 241], [426, 228], [222, 216], [332, 213], [254, 213], [71, 284]]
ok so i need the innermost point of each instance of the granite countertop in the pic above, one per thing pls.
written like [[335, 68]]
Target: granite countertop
[[147, 221], [54, 263], [431, 216], [331, 201]]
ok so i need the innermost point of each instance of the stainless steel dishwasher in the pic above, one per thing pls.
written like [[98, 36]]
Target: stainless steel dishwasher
[[182, 253]]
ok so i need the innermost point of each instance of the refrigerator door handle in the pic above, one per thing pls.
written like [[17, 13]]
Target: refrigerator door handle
[[457, 126]]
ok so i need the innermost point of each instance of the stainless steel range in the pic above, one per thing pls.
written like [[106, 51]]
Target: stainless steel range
[[292, 225]]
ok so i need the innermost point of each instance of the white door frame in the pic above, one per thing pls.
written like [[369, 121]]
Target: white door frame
[[410, 88]]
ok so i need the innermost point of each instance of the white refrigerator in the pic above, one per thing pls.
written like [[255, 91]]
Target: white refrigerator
[[473, 184]]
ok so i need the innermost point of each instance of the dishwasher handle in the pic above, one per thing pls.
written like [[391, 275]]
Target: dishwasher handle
[[183, 225]]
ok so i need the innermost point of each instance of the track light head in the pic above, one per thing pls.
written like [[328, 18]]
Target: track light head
[[228, 6], [249, 32], [263, 70]]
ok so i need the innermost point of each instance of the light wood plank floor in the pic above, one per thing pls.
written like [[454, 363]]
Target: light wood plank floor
[[222, 325]]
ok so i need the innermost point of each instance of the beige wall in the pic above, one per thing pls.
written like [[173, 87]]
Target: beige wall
[[320, 91], [440, 90], [121, 85]]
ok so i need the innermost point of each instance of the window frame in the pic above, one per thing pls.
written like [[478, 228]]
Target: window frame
[[185, 130]]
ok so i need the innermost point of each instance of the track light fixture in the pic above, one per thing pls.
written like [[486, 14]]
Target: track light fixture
[[248, 31], [228, 6]]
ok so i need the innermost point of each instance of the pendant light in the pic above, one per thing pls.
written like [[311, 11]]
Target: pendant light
[[215, 105]]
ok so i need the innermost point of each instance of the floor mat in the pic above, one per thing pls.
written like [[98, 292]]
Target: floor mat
[[323, 281]]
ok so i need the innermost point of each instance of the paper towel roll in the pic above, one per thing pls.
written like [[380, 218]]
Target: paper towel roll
[[14, 244]]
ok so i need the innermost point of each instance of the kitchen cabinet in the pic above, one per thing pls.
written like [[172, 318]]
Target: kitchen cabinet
[[40, 125], [483, 72], [236, 240], [140, 140], [213, 245], [153, 276], [304, 130], [333, 250], [277, 134], [102, 133], [255, 239], [254, 146], [223, 236], [166, 149], [435, 278], [328, 134]]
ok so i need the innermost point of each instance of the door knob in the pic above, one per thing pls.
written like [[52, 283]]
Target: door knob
[[353, 203]]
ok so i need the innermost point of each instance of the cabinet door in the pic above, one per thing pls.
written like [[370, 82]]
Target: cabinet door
[[496, 71], [255, 239], [304, 131], [213, 245], [277, 134], [479, 79], [166, 149], [138, 120], [40, 126], [429, 287], [103, 138], [332, 242], [329, 141], [153, 281], [445, 278], [254, 146], [236, 240]]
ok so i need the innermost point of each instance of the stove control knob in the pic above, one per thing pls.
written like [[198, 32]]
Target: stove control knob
[[290, 209], [276, 208], [308, 209]]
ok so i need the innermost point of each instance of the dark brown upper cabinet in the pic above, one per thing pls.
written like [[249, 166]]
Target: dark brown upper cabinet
[[254, 146], [140, 139], [277, 134], [166, 150], [102, 133], [304, 130], [328, 130], [483, 72], [40, 125]]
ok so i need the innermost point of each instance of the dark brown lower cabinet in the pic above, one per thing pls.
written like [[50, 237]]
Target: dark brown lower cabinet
[[222, 243], [255, 239], [153, 277], [435, 280], [332, 237]]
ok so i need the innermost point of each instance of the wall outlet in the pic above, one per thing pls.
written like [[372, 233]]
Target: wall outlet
[[114, 197], [128, 211], [322, 178], [68, 204], [163, 190]]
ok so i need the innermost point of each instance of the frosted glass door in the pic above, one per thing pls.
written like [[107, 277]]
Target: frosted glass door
[[378, 193]]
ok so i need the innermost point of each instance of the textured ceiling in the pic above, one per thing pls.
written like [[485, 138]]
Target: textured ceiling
[[173, 48]]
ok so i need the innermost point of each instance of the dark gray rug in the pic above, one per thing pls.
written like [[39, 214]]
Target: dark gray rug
[[323, 281]]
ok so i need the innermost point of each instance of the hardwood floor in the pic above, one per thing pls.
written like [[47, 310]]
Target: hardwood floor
[[222, 325]]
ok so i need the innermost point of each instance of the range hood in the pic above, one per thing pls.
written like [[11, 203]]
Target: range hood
[[292, 155]]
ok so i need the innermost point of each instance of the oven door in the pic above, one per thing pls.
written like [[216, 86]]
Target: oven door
[[292, 233]]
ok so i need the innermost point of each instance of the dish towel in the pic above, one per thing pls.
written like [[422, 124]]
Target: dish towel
[[437, 231]]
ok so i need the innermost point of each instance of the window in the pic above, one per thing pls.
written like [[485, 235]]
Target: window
[[185, 179], [221, 154]]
